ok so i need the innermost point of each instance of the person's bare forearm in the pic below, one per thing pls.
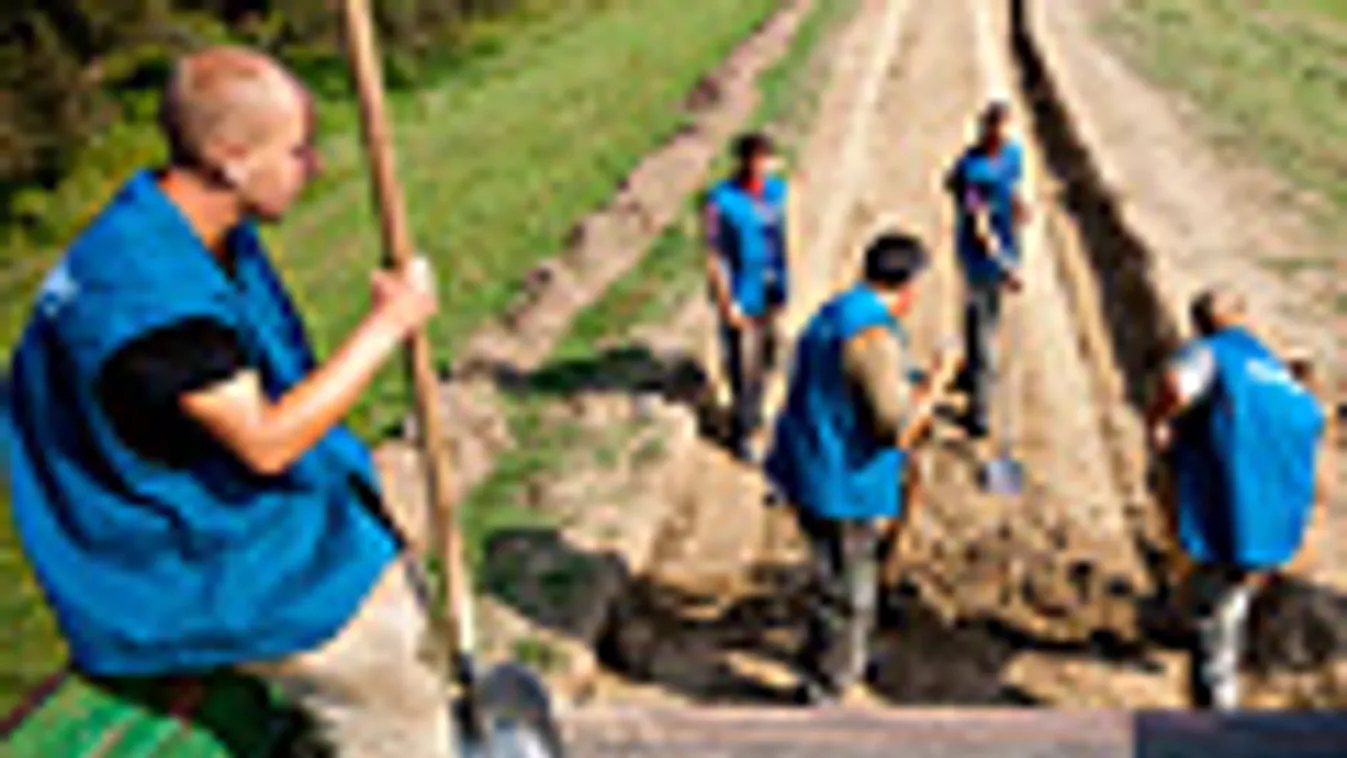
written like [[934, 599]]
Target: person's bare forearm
[[309, 410], [982, 227], [925, 399], [1325, 468], [1020, 208], [1166, 402], [270, 436]]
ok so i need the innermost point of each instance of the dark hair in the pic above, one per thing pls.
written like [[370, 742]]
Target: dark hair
[[752, 144], [894, 258], [1213, 307], [995, 112]]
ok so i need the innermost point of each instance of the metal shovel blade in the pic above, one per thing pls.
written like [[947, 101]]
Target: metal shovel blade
[[1003, 475], [516, 713]]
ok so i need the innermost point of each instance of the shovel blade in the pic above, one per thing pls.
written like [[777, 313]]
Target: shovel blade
[[516, 712], [508, 740], [1003, 476]]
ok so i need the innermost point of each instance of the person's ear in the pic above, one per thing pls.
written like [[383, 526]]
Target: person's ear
[[234, 173]]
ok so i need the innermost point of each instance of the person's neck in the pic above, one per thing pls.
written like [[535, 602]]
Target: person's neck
[[211, 212], [752, 183], [896, 301]]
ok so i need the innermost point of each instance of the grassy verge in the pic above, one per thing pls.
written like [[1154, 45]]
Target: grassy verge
[[498, 161], [670, 271], [597, 344], [1269, 78]]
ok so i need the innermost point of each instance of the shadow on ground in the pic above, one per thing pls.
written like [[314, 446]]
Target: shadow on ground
[[733, 641], [631, 370]]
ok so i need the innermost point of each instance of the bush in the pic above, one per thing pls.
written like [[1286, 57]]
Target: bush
[[71, 68]]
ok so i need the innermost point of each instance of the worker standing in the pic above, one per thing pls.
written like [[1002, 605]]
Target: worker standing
[[746, 218], [839, 452], [1242, 438], [182, 481], [985, 185]]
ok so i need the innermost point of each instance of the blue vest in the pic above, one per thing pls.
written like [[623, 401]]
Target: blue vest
[[995, 179], [1245, 459], [152, 569], [753, 243], [824, 458]]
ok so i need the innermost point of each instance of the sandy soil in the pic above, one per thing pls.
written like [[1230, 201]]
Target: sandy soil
[[683, 588], [1050, 598]]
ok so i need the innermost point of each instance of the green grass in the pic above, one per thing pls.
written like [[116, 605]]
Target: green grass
[[30, 644], [498, 161], [668, 274], [597, 346], [1336, 8], [518, 159], [1271, 77]]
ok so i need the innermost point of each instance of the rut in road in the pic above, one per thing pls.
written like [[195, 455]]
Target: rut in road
[[1004, 601]]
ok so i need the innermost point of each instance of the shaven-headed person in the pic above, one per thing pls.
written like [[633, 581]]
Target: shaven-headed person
[[1241, 436], [182, 480]]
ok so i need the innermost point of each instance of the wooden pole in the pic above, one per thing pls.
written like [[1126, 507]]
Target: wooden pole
[[454, 613]]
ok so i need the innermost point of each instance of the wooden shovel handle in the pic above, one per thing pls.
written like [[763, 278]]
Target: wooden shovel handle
[[446, 540]]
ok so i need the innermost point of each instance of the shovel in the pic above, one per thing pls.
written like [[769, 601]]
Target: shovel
[[1004, 474], [506, 713]]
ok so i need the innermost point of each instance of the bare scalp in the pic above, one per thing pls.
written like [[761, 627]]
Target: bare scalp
[[223, 101]]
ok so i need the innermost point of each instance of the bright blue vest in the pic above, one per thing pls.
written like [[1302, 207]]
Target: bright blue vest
[[997, 178], [1245, 459], [824, 459], [753, 241], [152, 569]]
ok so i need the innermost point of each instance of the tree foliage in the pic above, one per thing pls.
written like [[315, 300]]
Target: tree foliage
[[69, 68]]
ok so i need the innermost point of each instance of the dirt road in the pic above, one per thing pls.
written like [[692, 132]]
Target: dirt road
[[1041, 599], [1038, 599]]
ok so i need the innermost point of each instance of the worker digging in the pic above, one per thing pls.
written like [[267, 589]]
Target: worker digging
[[192, 500]]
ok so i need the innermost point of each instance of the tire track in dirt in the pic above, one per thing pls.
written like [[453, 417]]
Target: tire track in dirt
[[688, 625], [551, 589], [1038, 599], [987, 578], [1009, 596], [1150, 243]]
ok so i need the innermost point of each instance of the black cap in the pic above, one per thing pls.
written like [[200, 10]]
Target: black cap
[[894, 258]]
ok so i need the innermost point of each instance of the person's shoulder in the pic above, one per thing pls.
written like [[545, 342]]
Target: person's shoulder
[[1193, 358], [1195, 348], [110, 231], [966, 157], [111, 257], [718, 192], [956, 174]]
